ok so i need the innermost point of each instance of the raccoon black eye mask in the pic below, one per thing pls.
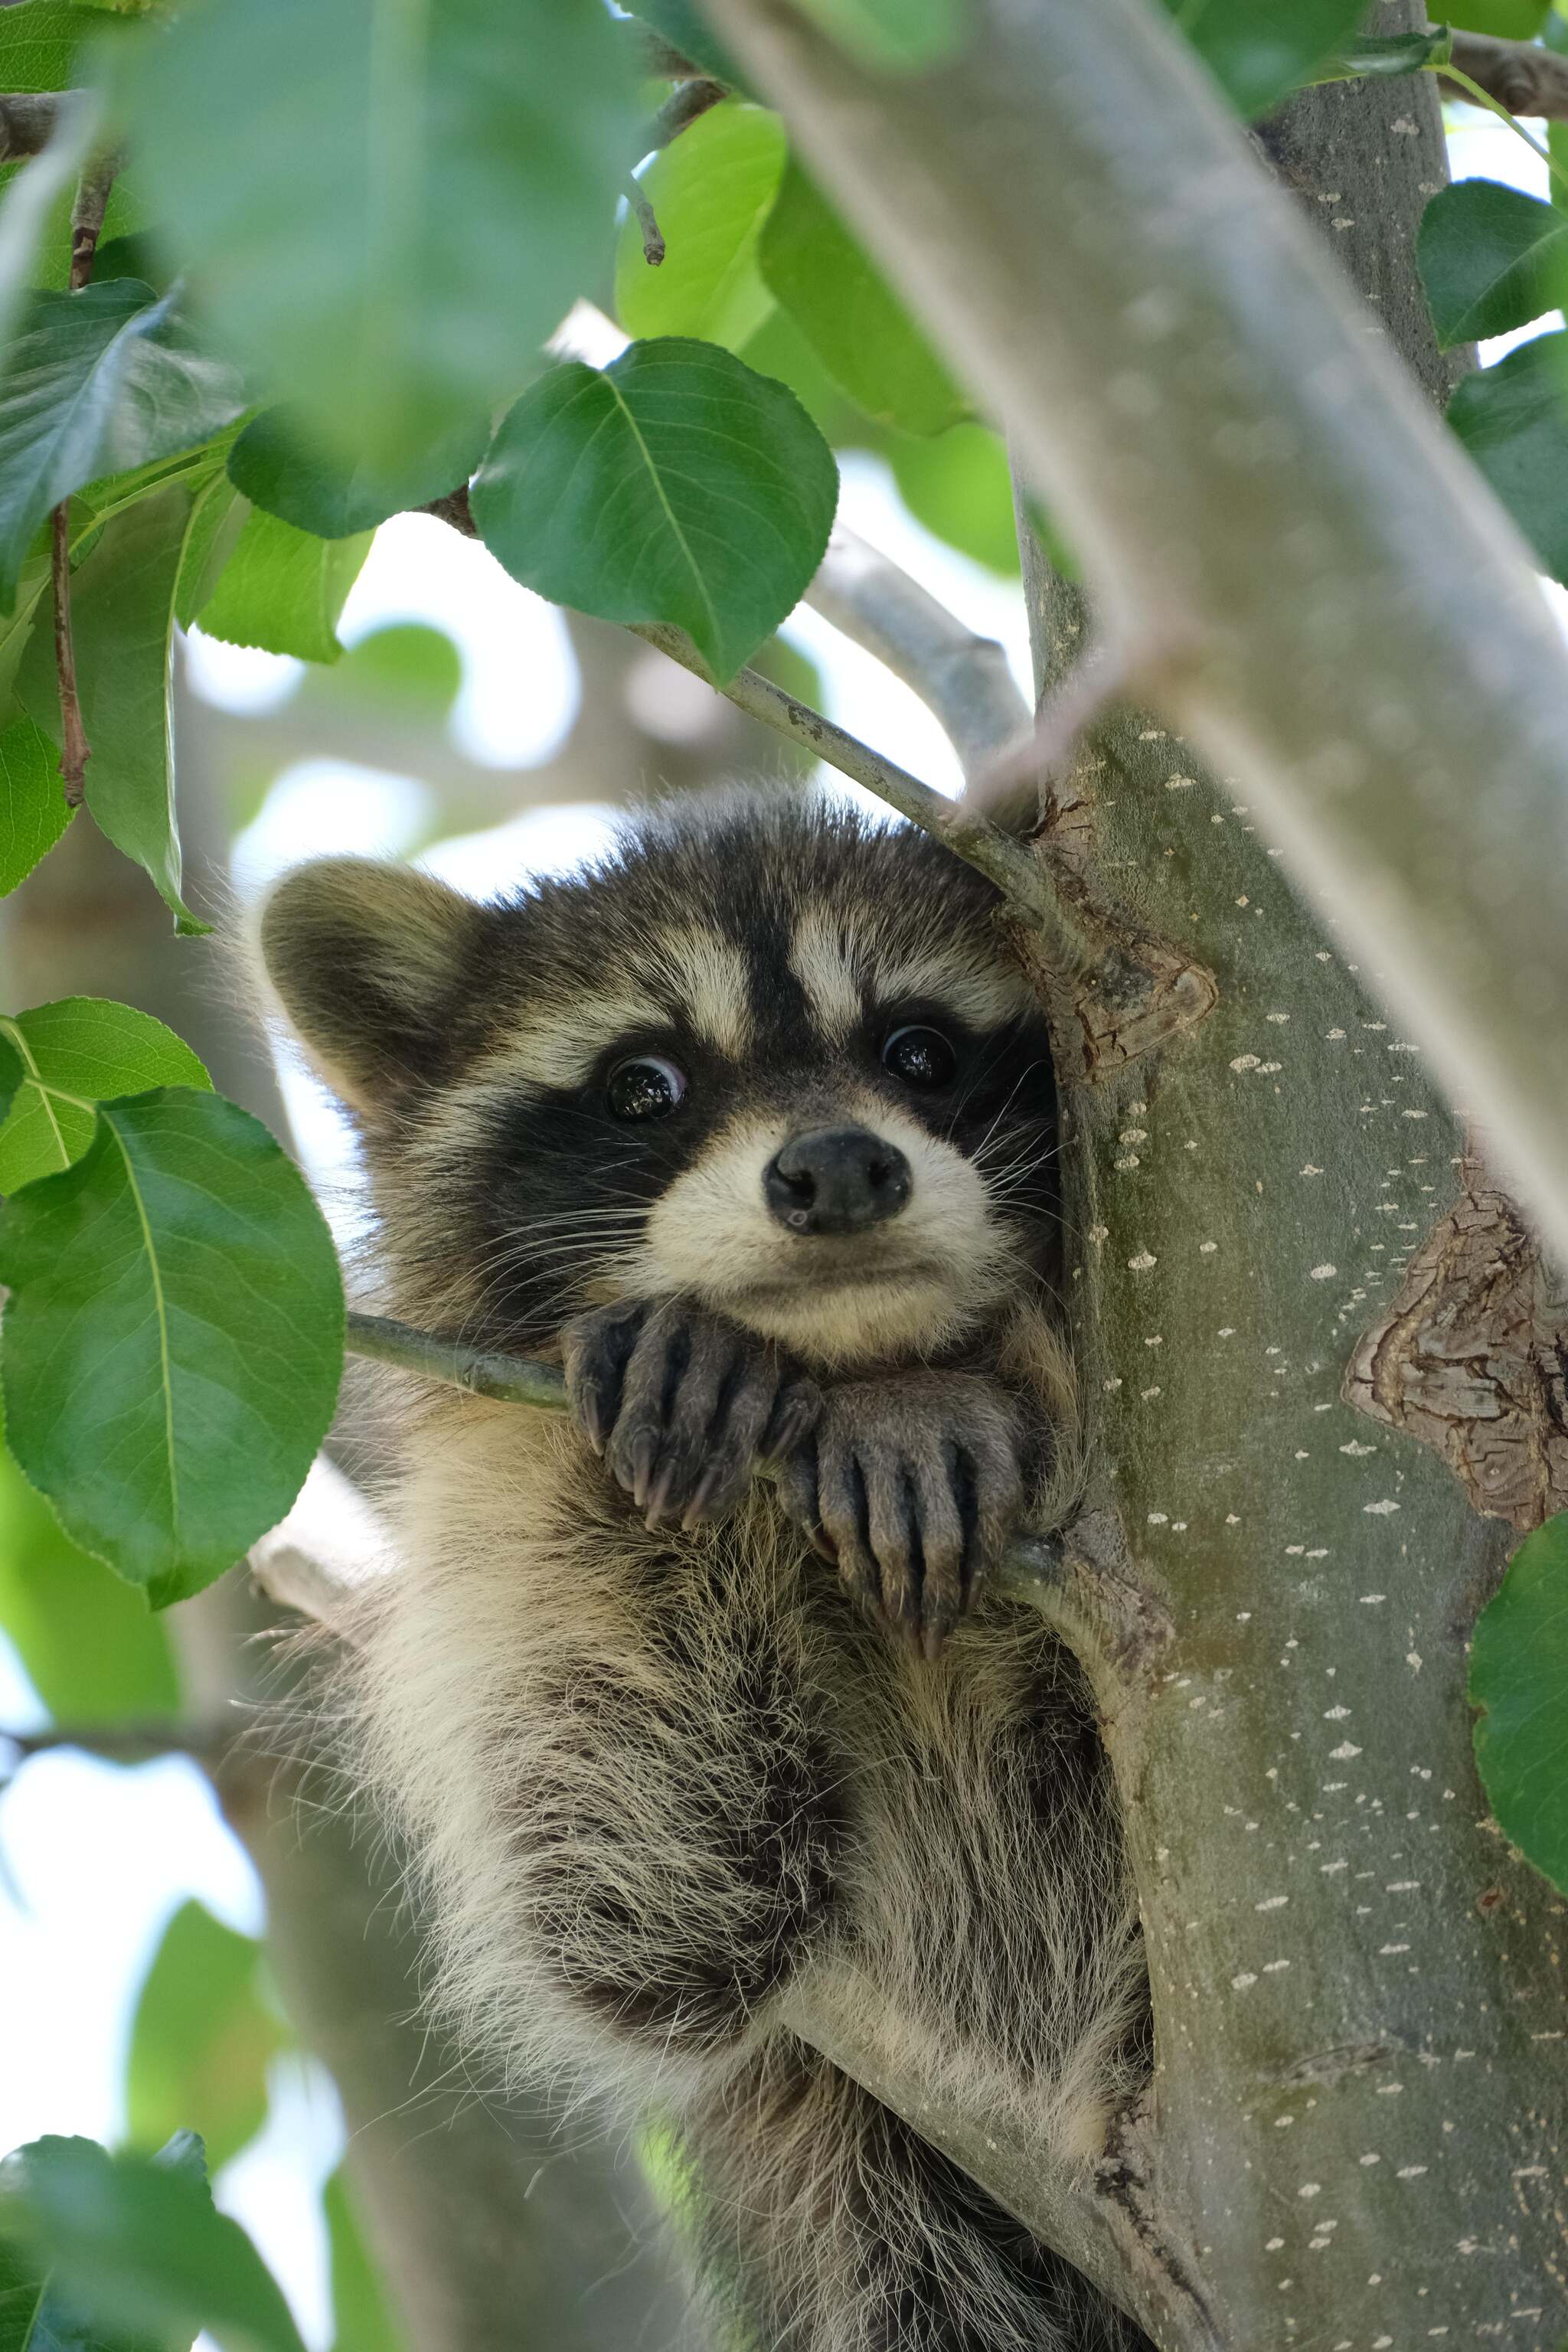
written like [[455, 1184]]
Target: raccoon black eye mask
[[754, 1126]]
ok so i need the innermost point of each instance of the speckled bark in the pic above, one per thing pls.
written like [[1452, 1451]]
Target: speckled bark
[[1359, 2131]]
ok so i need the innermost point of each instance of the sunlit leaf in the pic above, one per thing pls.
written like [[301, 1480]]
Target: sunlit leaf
[[173, 1339], [1514, 420], [75, 1053], [90, 1647], [1518, 1678], [95, 383], [363, 2318], [283, 589], [709, 190], [202, 2038], [674, 486], [959, 486], [1259, 51], [448, 189], [33, 808], [1491, 259], [140, 2247], [849, 313], [280, 470], [1508, 20]]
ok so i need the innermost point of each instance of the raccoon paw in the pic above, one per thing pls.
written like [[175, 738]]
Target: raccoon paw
[[683, 1405], [912, 1487]]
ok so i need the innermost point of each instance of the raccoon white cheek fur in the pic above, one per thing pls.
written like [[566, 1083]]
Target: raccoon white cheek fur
[[754, 1126]]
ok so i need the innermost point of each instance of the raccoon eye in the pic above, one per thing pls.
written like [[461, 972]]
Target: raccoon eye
[[921, 1058], [647, 1087]]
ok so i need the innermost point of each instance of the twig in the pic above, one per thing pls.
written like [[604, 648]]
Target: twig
[[87, 214], [962, 678], [86, 226], [132, 1742], [653, 247], [77, 750], [508, 1379], [1022, 882], [1522, 77], [686, 102], [27, 120]]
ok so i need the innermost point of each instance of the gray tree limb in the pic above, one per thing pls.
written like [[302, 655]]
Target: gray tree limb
[[963, 678], [1339, 614]]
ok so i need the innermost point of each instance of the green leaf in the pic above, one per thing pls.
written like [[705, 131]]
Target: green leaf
[[404, 665], [685, 28], [1491, 259], [1512, 420], [97, 383], [1259, 51], [31, 193], [202, 2040], [850, 316], [709, 190], [144, 2250], [75, 1053], [90, 1646], [1509, 20], [892, 35], [283, 589], [174, 1340], [960, 487], [123, 598], [33, 808], [364, 2318], [674, 486], [1518, 1678], [12, 1075], [278, 469], [388, 208]]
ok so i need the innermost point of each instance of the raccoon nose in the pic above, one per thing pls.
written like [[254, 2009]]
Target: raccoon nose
[[835, 1180]]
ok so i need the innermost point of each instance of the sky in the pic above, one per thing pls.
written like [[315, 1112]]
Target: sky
[[94, 1859]]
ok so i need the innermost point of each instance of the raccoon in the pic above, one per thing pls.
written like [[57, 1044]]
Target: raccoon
[[753, 1126]]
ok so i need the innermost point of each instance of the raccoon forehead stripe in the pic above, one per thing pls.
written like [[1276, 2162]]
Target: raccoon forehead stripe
[[701, 973], [983, 991], [821, 959]]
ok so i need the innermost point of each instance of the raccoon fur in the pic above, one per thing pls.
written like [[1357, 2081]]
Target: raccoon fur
[[753, 1126]]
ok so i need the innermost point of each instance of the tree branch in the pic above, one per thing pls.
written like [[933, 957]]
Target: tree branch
[[1521, 76], [963, 679], [686, 102], [27, 120]]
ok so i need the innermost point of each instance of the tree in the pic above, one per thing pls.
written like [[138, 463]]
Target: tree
[[1322, 1342]]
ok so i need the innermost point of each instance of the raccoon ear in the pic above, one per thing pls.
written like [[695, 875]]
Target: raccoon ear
[[369, 962]]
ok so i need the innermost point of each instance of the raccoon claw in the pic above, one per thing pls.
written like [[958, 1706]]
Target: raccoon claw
[[912, 1490], [683, 1405]]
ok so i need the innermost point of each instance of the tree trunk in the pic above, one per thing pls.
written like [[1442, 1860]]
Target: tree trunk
[[1355, 2133]]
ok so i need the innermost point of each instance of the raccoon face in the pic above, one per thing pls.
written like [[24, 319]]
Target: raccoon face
[[769, 1058]]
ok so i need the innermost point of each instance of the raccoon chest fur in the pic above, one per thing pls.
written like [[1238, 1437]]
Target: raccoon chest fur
[[699, 1697]]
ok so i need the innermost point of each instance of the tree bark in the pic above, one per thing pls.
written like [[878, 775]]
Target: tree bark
[[1356, 2129]]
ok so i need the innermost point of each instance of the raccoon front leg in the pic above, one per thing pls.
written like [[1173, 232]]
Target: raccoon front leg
[[913, 1486], [683, 1405]]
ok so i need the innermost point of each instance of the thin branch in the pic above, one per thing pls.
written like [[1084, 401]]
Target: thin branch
[[962, 678], [1523, 77], [131, 1742], [1022, 881], [87, 214], [86, 226], [27, 120], [686, 102], [653, 248], [77, 750], [508, 1380]]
